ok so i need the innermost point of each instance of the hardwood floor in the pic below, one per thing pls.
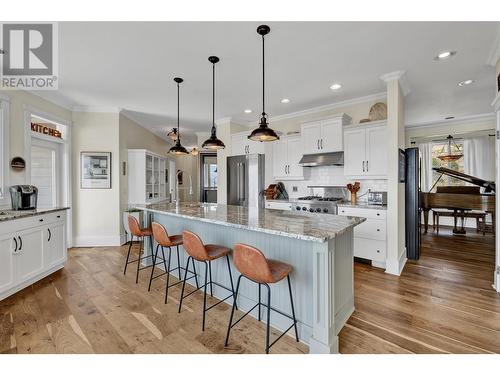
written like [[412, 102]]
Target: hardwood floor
[[443, 303]]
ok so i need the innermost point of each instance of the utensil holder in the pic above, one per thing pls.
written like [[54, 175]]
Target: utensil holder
[[354, 197]]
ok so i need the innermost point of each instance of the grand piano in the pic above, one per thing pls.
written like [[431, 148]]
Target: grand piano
[[459, 199]]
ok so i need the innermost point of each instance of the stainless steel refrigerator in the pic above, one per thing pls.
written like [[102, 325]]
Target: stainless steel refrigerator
[[245, 180]]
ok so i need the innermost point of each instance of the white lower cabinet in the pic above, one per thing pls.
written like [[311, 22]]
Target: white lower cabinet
[[370, 237], [30, 249]]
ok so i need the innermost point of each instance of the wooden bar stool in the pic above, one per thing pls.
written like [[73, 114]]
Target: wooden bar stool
[[163, 240], [254, 266], [205, 254], [140, 233]]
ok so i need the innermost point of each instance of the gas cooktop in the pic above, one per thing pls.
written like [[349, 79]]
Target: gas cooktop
[[319, 199]]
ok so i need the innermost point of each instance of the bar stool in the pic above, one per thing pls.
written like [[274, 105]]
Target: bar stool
[[205, 254], [254, 266], [140, 233], [163, 240]]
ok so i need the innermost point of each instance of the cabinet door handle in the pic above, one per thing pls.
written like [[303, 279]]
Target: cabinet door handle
[[363, 165], [378, 214], [15, 241], [318, 144], [322, 143], [378, 230], [40, 220], [367, 165], [50, 235], [20, 243]]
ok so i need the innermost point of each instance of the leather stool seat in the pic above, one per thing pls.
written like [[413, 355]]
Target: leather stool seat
[[279, 270], [216, 251]]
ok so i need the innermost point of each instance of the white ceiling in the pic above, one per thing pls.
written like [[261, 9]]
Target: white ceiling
[[132, 65]]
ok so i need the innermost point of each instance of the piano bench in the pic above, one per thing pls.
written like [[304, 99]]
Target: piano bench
[[479, 216]]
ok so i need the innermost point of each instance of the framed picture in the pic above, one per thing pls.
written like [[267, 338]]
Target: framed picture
[[95, 170], [402, 166]]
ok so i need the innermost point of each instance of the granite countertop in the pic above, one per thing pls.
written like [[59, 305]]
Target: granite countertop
[[6, 215], [300, 225], [363, 205]]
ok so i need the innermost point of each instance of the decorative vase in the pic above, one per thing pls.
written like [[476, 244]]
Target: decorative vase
[[354, 197]]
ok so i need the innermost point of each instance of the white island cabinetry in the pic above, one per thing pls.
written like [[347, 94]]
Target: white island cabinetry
[[31, 247]]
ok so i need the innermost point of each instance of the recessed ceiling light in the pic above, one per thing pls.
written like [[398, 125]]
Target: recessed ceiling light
[[445, 55], [335, 86], [247, 111], [285, 100], [466, 82]]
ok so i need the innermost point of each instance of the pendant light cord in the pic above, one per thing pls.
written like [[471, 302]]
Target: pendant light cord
[[213, 97], [178, 100], [263, 79]]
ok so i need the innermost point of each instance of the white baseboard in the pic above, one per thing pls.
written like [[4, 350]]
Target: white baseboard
[[94, 241], [395, 266]]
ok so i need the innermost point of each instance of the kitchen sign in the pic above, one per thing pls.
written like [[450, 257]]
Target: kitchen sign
[[39, 128]]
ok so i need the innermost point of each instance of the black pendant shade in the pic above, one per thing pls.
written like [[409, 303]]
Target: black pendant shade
[[178, 149], [263, 133], [213, 143]]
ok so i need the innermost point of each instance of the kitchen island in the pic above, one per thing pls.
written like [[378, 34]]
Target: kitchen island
[[318, 246]]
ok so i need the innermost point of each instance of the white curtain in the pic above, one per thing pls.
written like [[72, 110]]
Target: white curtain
[[426, 166], [479, 157]]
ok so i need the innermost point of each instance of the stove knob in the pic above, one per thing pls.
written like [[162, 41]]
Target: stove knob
[[311, 210], [304, 209], [297, 208], [325, 210], [318, 209]]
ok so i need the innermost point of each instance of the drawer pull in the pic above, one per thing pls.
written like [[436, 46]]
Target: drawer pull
[[378, 230], [378, 214], [58, 216], [40, 220], [378, 251]]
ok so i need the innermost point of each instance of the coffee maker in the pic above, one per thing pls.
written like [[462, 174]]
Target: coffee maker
[[23, 197]]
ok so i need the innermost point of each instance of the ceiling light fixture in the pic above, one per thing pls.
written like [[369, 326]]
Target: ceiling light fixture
[[213, 143], [445, 55], [172, 134], [450, 152], [178, 149], [336, 86], [247, 111], [466, 82], [263, 133], [285, 100]]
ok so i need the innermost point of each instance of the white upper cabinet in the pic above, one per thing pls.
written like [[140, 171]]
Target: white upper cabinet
[[324, 135], [287, 153], [365, 150], [241, 145]]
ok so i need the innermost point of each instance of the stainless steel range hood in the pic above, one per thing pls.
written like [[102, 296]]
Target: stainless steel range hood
[[327, 158]]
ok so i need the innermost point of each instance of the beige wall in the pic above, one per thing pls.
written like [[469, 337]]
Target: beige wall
[[96, 212], [18, 102]]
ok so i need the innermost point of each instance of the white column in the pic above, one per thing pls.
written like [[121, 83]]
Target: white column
[[397, 89]]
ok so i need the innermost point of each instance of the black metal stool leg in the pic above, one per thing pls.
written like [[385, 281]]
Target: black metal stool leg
[[268, 325], [167, 268], [179, 262], [293, 310], [259, 301], [195, 275], [153, 267], [128, 254], [141, 245], [207, 266], [164, 259], [232, 310], [210, 275], [184, 283], [231, 280]]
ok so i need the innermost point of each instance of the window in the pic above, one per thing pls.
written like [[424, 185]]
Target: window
[[458, 165]]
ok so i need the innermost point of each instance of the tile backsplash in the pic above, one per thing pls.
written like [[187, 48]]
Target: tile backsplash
[[330, 175]]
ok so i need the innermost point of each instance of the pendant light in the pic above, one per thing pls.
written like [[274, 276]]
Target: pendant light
[[263, 133], [213, 143], [172, 134], [178, 149], [454, 153]]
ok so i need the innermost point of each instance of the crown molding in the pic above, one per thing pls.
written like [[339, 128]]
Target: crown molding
[[343, 103], [455, 121], [97, 109], [399, 75], [59, 102], [494, 54]]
